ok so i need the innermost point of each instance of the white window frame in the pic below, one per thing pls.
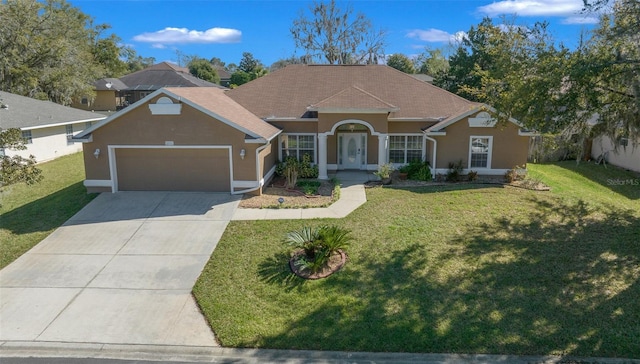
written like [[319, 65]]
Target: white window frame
[[284, 136], [489, 154], [422, 151], [27, 136], [69, 131]]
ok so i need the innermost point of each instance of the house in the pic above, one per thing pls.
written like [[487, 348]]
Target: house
[[225, 77], [47, 127], [117, 93], [108, 96], [343, 117], [623, 153]]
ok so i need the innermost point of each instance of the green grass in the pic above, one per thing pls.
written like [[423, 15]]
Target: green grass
[[31, 213], [456, 269]]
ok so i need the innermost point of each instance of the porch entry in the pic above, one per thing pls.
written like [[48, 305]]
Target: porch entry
[[352, 151]]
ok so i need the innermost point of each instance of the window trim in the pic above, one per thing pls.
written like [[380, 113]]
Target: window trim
[[69, 131], [489, 153], [282, 136], [27, 136], [423, 147]]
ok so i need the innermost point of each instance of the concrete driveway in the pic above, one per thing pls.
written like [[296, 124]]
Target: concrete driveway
[[120, 271]]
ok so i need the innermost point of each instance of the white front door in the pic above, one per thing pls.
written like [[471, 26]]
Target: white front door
[[353, 151]]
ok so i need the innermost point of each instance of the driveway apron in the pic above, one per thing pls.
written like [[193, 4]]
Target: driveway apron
[[120, 271]]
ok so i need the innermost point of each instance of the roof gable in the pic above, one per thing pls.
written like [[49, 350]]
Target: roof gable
[[27, 113], [211, 101]]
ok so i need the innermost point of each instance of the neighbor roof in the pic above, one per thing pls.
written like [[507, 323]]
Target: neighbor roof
[[289, 91], [163, 75], [27, 113]]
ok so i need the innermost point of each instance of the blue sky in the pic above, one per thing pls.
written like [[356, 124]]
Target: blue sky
[[226, 28]]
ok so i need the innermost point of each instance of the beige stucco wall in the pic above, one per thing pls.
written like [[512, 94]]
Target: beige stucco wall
[[509, 149], [104, 100], [192, 127], [377, 121]]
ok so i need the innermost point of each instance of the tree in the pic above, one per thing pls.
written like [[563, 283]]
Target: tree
[[401, 62], [249, 69], [47, 50], [217, 62], [17, 169], [109, 54], [606, 70], [204, 70], [432, 62], [283, 62], [337, 36]]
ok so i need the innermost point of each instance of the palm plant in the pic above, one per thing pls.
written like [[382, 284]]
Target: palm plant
[[318, 244]]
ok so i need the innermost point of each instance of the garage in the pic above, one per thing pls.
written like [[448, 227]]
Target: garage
[[173, 169]]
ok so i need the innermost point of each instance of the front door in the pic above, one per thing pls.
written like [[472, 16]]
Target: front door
[[353, 150]]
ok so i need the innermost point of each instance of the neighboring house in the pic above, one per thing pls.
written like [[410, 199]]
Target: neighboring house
[[622, 153], [225, 77], [108, 96], [47, 127], [343, 117], [117, 93]]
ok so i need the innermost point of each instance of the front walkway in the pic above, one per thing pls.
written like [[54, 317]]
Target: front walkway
[[352, 195]]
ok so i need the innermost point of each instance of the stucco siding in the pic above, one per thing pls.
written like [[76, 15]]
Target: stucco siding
[[49, 143], [625, 157], [138, 127], [508, 148]]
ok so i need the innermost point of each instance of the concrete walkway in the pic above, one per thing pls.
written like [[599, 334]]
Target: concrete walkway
[[352, 195]]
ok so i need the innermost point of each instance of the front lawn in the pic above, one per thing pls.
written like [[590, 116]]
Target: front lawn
[[31, 213], [449, 269]]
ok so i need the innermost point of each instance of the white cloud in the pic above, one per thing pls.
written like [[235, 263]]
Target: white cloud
[[580, 20], [183, 35], [435, 35], [533, 7]]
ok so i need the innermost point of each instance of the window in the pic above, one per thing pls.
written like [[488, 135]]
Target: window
[[26, 135], [623, 142], [297, 145], [405, 148], [69, 130], [480, 152]]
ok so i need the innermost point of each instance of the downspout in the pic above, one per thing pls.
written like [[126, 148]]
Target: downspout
[[258, 177], [435, 150]]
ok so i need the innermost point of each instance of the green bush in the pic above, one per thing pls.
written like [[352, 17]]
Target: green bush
[[455, 171], [318, 244], [417, 170]]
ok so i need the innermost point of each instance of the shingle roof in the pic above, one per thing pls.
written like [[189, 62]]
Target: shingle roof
[[352, 98], [113, 83], [163, 75], [289, 91], [217, 102], [212, 101], [25, 112]]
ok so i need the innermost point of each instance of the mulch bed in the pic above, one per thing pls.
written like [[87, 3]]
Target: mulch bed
[[293, 198], [335, 263]]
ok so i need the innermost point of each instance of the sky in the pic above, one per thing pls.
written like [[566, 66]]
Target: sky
[[163, 29]]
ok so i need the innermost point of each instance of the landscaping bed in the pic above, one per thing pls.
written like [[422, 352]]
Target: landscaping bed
[[300, 197]]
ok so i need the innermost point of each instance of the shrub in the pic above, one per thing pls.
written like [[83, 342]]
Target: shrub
[[455, 171], [472, 175], [309, 187], [318, 244], [306, 169], [517, 173], [384, 170]]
